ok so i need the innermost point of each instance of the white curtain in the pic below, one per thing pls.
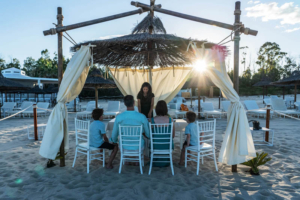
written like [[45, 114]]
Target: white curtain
[[237, 146], [166, 82], [71, 85]]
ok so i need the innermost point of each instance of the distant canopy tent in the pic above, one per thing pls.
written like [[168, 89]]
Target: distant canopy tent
[[155, 57], [96, 81], [293, 79]]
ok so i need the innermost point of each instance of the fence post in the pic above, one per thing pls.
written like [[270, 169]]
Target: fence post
[[267, 123], [35, 122]]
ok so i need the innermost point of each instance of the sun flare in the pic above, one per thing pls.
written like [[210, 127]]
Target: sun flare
[[200, 65]]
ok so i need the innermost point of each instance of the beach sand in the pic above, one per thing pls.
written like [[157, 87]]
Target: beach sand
[[23, 174]]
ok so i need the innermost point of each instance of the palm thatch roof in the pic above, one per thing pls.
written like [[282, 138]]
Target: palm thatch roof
[[143, 49], [95, 79], [263, 83], [6, 84], [293, 79]]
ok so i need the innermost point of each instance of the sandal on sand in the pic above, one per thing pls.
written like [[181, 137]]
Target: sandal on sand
[[50, 164]]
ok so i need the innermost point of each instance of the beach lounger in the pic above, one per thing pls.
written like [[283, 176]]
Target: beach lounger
[[40, 112], [113, 109], [87, 113], [279, 107], [297, 105], [289, 101], [70, 106], [252, 108], [24, 105], [225, 106], [274, 97], [208, 109], [267, 101], [7, 106]]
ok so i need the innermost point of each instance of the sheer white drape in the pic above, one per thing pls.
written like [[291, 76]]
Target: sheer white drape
[[237, 146], [166, 82], [71, 85]]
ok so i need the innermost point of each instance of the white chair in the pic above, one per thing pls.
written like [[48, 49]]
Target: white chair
[[82, 134], [7, 106], [297, 104], [113, 109], [253, 109], [267, 101], [273, 97], [161, 134], [208, 109], [131, 137], [24, 105], [279, 107], [207, 149], [87, 113]]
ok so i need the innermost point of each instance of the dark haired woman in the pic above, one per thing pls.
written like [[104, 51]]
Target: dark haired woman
[[162, 117], [146, 100]]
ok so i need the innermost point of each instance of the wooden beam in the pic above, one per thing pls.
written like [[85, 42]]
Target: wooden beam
[[193, 18], [53, 31], [60, 72]]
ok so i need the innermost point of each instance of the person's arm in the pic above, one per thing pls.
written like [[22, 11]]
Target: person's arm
[[105, 138], [103, 132], [151, 108], [188, 139], [139, 105]]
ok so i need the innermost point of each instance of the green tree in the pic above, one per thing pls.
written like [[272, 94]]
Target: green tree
[[289, 67], [2, 64], [14, 63]]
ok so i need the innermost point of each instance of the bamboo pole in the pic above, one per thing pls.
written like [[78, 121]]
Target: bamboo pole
[[35, 122], [60, 72], [193, 18], [96, 97], [60, 29], [237, 24], [267, 123]]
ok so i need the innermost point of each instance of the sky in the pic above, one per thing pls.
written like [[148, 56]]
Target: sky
[[23, 22]]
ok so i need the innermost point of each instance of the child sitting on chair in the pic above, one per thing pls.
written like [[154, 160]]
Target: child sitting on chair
[[191, 134], [98, 136]]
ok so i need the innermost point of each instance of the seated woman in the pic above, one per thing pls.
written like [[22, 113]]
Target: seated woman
[[162, 117]]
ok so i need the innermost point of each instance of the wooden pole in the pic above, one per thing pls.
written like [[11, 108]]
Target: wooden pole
[[60, 29], [60, 72], [193, 18], [237, 24], [295, 93], [96, 97], [149, 45], [35, 122], [267, 123]]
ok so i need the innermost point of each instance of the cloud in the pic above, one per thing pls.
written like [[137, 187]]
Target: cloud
[[109, 37], [250, 2], [256, 2], [279, 26], [292, 30], [288, 13]]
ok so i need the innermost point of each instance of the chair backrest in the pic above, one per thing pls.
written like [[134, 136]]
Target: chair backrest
[[274, 97], [91, 103], [225, 105], [208, 128], [207, 106], [82, 131], [268, 101], [43, 105], [278, 104], [251, 105], [130, 136], [297, 104], [90, 107], [9, 105], [196, 102], [113, 106], [25, 104], [161, 134], [289, 100]]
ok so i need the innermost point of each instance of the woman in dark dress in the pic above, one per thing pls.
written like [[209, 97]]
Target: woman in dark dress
[[146, 100]]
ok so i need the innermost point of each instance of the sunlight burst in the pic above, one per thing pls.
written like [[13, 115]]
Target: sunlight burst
[[200, 65]]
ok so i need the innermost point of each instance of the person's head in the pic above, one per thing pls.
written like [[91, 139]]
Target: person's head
[[97, 114], [161, 108], [190, 116], [129, 101], [146, 88]]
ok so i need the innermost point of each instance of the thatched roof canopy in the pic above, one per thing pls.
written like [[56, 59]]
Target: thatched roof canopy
[[95, 79], [293, 79], [35, 90], [133, 50], [262, 83], [8, 85]]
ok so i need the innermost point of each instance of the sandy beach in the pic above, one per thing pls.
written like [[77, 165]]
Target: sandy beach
[[24, 175]]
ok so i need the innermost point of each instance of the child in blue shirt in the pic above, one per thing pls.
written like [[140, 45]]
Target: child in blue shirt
[[191, 134], [98, 136]]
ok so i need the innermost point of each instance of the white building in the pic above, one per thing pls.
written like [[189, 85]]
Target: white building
[[19, 76]]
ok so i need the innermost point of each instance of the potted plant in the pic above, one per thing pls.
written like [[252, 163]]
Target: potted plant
[[260, 159]]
